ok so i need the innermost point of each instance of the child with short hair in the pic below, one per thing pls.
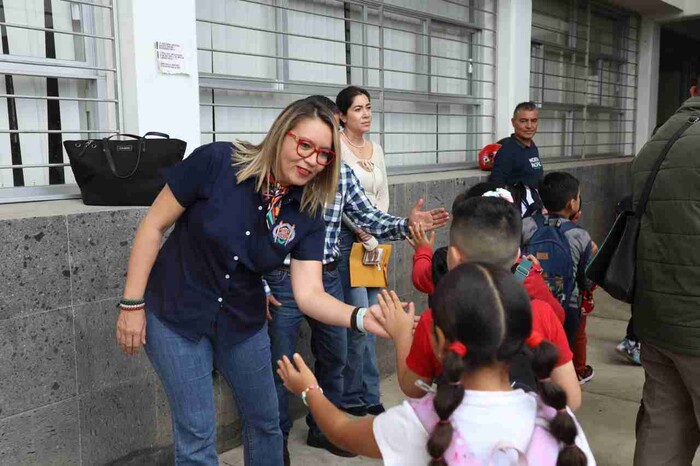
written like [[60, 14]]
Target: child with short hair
[[488, 230], [429, 267], [482, 321], [564, 249]]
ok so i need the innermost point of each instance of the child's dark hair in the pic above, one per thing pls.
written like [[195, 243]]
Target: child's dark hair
[[487, 229], [347, 96], [439, 268], [484, 308], [480, 189], [557, 189]]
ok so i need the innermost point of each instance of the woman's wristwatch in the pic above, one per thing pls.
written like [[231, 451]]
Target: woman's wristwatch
[[357, 319]]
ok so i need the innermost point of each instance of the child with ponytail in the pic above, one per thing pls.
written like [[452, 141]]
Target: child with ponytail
[[482, 320]]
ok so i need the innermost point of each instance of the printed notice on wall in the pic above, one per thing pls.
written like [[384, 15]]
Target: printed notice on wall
[[171, 58]]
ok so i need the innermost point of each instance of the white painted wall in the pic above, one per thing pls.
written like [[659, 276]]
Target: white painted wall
[[153, 101], [648, 81], [513, 34]]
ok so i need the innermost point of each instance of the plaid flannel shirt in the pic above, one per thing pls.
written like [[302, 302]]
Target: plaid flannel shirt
[[352, 200]]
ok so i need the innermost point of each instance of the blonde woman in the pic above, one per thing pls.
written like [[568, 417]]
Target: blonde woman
[[198, 302], [361, 394]]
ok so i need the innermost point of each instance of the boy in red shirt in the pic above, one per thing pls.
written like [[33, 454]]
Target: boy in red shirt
[[484, 230], [429, 266]]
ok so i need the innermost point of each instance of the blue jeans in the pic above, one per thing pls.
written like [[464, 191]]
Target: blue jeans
[[185, 370], [361, 375], [327, 342]]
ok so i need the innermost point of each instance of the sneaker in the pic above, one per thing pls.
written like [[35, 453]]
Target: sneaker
[[630, 349], [376, 410], [285, 454], [357, 411], [321, 441], [585, 374]]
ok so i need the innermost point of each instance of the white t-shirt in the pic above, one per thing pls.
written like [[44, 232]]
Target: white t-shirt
[[375, 182], [484, 419]]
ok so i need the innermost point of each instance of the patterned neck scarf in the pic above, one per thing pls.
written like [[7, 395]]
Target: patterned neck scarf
[[274, 195]]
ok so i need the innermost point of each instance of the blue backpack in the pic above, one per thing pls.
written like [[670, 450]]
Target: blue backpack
[[549, 245]]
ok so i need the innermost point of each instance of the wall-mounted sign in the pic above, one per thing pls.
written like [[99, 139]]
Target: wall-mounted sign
[[171, 58]]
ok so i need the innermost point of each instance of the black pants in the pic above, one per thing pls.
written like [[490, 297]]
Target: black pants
[[630, 328]]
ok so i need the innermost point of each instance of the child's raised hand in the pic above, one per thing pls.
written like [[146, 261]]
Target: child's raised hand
[[397, 322], [296, 379], [419, 238]]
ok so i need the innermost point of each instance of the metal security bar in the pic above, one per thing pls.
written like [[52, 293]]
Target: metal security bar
[[429, 69], [69, 88], [584, 77]]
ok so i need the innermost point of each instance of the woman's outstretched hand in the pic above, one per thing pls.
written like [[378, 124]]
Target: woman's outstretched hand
[[295, 379], [430, 220]]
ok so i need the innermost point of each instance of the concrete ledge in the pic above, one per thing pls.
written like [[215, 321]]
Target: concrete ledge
[[76, 206]]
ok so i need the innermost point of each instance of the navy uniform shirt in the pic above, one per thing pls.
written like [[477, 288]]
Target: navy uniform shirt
[[517, 163], [221, 245]]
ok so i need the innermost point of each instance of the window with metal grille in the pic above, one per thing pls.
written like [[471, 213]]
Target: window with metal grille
[[58, 81], [429, 67], [584, 77]]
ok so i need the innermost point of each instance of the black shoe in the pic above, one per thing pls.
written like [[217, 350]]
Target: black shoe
[[320, 441], [285, 454], [376, 410], [358, 411]]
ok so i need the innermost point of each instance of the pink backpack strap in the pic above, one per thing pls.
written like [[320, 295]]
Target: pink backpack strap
[[543, 448], [458, 453]]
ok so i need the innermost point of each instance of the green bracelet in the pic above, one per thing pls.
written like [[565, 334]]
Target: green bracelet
[[132, 302]]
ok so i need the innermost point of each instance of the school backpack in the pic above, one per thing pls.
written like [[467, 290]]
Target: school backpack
[[543, 449], [550, 246]]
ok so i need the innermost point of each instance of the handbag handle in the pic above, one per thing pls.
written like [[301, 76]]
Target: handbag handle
[[133, 136], [646, 192], [110, 159], [156, 133]]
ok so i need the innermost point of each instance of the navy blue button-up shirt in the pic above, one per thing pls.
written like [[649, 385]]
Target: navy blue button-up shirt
[[517, 163], [221, 245]]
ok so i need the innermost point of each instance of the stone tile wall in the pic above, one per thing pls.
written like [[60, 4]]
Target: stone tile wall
[[69, 396]]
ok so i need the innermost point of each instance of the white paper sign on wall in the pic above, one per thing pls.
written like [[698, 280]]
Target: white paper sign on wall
[[171, 58]]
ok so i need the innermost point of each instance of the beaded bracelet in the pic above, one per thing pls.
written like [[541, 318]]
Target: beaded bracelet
[[305, 392], [132, 308], [131, 304]]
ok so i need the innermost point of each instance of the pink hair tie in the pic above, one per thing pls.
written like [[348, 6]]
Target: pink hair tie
[[442, 422], [546, 379], [458, 347]]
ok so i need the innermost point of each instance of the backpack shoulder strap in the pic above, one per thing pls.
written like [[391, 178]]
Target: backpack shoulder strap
[[425, 411], [539, 219], [543, 448], [522, 270], [458, 451], [566, 227]]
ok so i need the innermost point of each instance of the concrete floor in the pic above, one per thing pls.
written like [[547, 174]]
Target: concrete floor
[[610, 400]]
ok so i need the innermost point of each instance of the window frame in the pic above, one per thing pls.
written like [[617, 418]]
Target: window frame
[[100, 123]]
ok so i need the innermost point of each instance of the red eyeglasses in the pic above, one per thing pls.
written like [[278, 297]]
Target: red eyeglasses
[[306, 149]]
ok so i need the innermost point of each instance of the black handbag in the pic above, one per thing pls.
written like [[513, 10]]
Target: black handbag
[[123, 172], [613, 268]]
